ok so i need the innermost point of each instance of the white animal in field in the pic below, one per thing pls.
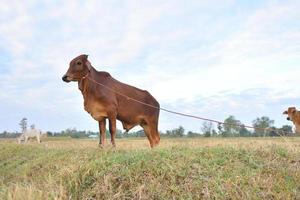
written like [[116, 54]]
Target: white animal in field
[[28, 134]]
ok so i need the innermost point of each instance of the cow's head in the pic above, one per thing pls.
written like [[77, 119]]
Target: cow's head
[[291, 113], [79, 67]]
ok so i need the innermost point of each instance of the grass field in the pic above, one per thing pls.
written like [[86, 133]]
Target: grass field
[[213, 168]]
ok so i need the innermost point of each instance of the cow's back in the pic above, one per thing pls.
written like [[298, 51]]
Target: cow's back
[[32, 133], [128, 109]]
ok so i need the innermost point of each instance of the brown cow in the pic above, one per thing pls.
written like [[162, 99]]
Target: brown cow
[[294, 116], [107, 101]]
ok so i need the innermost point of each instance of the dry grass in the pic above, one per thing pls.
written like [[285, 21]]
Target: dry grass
[[204, 168], [290, 143]]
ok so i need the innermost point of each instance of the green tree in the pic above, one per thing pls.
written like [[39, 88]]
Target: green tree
[[140, 133], [119, 133], [231, 126], [177, 132], [273, 131], [214, 133], [261, 125], [23, 124], [49, 134], [244, 132], [192, 134], [207, 128], [220, 129], [286, 130]]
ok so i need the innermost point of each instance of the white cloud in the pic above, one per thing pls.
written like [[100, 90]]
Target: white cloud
[[15, 27], [251, 57]]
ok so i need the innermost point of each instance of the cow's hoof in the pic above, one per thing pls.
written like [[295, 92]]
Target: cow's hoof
[[101, 146], [154, 142]]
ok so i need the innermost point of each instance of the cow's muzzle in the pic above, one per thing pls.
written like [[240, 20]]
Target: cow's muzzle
[[289, 119], [65, 79]]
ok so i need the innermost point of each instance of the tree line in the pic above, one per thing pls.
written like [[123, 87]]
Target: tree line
[[232, 127]]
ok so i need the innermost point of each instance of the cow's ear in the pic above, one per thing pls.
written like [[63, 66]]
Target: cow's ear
[[285, 113], [85, 56], [88, 64]]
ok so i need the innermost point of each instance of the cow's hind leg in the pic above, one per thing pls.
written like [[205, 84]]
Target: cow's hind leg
[[102, 129], [151, 132]]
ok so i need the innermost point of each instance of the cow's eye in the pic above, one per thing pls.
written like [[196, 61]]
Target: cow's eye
[[79, 63]]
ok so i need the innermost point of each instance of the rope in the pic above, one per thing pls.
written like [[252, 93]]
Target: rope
[[183, 114]]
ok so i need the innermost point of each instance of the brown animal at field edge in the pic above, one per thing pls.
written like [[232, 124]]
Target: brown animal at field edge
[[103, 103], [294, 116]]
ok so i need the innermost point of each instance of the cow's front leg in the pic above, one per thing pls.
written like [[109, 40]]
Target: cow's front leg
[[38, 139], [112, 129], [102, 129]]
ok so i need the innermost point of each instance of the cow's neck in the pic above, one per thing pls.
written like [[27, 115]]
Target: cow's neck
[[296, 122], [297, 128], [84, 84]]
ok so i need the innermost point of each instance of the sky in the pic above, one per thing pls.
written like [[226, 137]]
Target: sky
[[207, 58]]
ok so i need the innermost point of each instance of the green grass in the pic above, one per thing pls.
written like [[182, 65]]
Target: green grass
[[169, 172]]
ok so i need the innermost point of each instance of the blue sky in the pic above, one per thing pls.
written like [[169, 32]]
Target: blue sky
[[207, 58]]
